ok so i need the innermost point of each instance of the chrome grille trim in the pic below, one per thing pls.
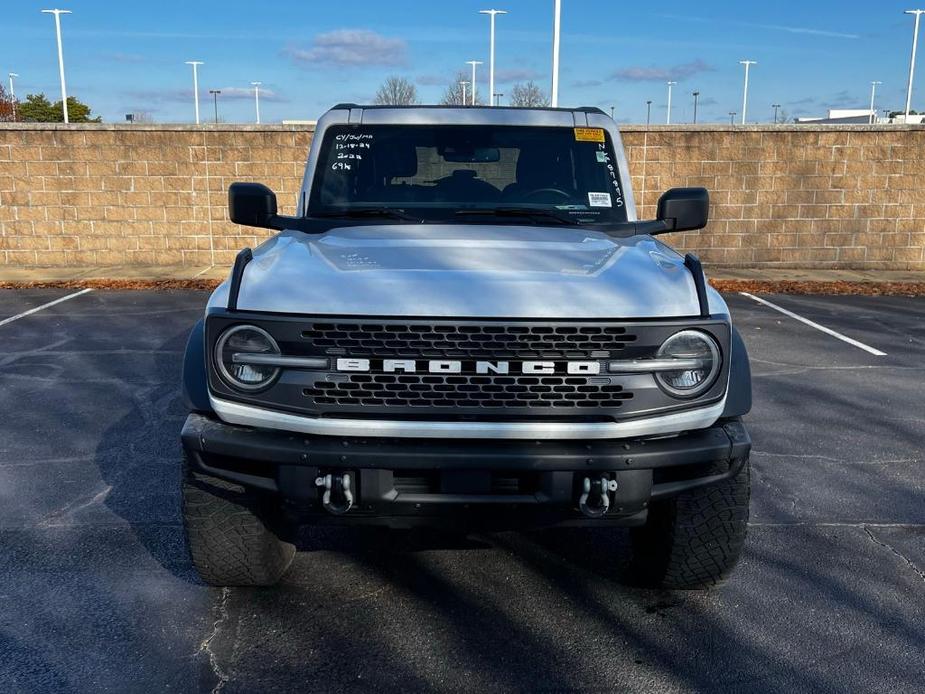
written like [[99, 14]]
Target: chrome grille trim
[[247, 415]]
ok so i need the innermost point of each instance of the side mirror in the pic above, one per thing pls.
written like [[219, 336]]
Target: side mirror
[[253, 205], [684, 209]]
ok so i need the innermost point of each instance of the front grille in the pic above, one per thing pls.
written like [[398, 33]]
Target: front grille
[[431, 390], [468, 341], [459, 392]]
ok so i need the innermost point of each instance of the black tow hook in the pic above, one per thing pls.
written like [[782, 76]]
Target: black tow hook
[[594, 501], [338, 488]]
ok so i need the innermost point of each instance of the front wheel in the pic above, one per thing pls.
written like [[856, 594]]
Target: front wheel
[[693, 540], [231, 538]]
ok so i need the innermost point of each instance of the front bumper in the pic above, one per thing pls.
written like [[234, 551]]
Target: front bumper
[[403, 481]]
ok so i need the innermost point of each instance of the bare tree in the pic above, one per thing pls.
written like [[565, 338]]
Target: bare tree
[[528, 95], [453, 96], [396, 91]]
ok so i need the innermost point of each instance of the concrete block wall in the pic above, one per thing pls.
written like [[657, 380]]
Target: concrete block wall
[[137, 195], [795, 196], [786, 196]]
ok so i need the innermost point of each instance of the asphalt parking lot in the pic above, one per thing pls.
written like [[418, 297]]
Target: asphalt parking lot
[[97, 594]]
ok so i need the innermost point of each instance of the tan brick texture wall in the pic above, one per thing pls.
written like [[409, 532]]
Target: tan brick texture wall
[[143, 195], [786, 196]]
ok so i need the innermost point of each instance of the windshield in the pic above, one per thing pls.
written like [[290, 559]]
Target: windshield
[[460, 172]]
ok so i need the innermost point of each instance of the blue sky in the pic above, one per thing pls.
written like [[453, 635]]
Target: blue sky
[[129, 56]]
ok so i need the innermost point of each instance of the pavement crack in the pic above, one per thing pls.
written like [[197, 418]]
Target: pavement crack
[[895, 551], [55, 518], [206, 645]]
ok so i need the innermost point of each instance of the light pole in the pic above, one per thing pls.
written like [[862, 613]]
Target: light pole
[[775, 107], [463, 85], [648, 112], [873, 93], [696, 95], [13, 94], [491, 53], [215, 93], [557, 12], [195, 64], [668, 117], [732, 118], [611, 112], [747, 64], [473, 63], [57, 14], [498, 96], [915, 40], [256, 86]]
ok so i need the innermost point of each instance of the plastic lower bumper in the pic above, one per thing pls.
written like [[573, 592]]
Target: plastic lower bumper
[[497, 482]]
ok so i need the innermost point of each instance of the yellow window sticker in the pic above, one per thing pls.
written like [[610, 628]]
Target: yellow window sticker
[[589, 134]]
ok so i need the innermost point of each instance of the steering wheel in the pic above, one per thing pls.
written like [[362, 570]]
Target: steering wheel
[[544, 191]]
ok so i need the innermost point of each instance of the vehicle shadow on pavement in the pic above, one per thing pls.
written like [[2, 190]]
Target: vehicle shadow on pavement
[[139, 459]]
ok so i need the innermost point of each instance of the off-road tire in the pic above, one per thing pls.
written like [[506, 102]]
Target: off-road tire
[[693, 540], [232, 537]]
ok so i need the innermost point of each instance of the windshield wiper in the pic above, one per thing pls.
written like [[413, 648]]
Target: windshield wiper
[[527, 212], [387, 212]]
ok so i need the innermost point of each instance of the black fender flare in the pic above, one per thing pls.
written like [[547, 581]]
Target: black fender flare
[[195, 378], [739, 397]]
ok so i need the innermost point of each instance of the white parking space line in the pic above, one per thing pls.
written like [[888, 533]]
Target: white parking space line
[[43, 307], [822, 328]]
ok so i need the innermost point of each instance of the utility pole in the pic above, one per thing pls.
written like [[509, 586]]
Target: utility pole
[[648, 112], [498, 96], [775, 107], [195, 64], [256, 86], [463, 84], [915, 40], [557, 12], [13, 94], [215, 93], [873, 94], [491, 53], [57, 14], [668, 117], [732, 118], [696, 95], [747, 64], [473, 63]]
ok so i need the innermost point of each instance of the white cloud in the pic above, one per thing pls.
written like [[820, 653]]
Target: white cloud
[[248, 93], [352, 48], [661, 74], [515, 75]]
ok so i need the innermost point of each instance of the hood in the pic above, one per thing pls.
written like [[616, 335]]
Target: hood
[[464, 270]]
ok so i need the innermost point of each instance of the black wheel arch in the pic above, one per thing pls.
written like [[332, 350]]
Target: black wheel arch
[[195, 378], [739, 397]]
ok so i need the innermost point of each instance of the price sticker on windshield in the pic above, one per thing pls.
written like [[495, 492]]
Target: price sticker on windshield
[[589, 134]]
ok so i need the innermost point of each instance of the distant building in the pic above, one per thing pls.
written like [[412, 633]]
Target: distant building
[[845, 116], [841, 116]]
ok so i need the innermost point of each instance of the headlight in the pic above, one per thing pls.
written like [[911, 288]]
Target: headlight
[[231, 357], [703, 357]]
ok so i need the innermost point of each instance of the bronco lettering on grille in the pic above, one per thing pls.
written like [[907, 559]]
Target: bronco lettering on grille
[[450, 366]]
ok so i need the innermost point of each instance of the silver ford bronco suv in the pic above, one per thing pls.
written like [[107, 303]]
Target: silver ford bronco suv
[[465, 324]]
